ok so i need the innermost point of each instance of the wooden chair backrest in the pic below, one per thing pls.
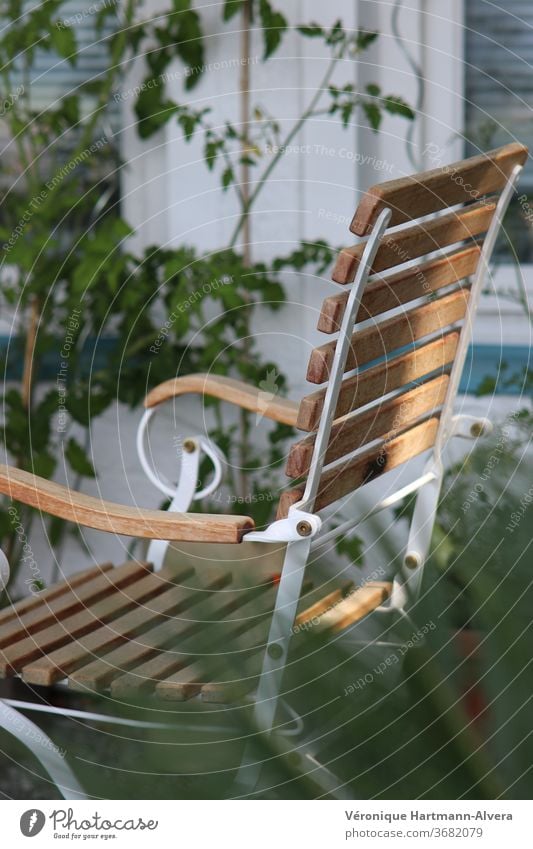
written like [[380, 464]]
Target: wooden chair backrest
[[408, 350]]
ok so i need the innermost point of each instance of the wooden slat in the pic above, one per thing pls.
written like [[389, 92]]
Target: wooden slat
[[184, 673], [216, 683], [37, 618], [38, 669], [240, 671], [369, 385], [228, 689], [161, 635], [190, 679], [396, 332], [420, 194], [352, 609], [418, 240], [191, 676], [57, 500], [314, 611], [144, 677], [172, 650], [383, 420], [248, 660], [167, 663], [45, 596], [387, 293], [87, 619], [340, 480], [99, 673], [320, 598], [65, 660]]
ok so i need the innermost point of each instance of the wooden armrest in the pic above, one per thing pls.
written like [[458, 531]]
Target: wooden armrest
[[227, 389], [118, 519]]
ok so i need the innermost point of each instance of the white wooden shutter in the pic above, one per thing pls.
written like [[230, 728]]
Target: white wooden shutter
[[499, 74], [51, 77]]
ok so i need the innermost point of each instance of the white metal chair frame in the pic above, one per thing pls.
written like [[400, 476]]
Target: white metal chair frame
[[303, 530]]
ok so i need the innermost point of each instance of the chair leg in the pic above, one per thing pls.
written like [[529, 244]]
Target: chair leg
[[277, 648], [42, 747], [406, 586]]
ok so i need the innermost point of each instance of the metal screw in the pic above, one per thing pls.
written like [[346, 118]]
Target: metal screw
[[304, 529], [477, 429], [275, 651], [189, 445], [412, 559]]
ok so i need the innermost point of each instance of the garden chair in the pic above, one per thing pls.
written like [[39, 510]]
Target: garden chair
[[400, 323]]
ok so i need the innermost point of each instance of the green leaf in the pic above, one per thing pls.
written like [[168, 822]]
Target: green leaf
[[373, 90], [346, 113], [210, 153], [43, 464], [364, 39], [311, 30], [373, 114], [397, 106], [64, 42], [70, 108], [188, 122], [227, 178], [159, 60], [56, 528], [152, 110], [231, 8], [353, 547], [6, 524], [188, 41], [78, 460], [487, 386], [231, 132], [336, 34], [274, 25], [109, 9]]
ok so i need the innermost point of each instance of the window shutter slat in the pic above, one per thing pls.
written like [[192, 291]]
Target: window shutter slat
[[499, 74]]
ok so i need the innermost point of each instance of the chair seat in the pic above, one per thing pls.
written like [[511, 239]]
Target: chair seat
[[130, 632]]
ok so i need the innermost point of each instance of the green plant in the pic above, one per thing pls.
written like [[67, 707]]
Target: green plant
[[80, 295]]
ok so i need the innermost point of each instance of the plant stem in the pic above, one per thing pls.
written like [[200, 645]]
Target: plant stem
[[244, 427], [249, 198], [25, 392], [29, 351], [30, 169], [309, 111], [245, 127]]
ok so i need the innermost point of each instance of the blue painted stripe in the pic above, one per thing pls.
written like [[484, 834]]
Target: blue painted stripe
[[497, 362], [493, 361], [95, 356]]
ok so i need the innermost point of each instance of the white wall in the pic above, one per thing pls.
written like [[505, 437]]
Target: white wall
[[171, 198]]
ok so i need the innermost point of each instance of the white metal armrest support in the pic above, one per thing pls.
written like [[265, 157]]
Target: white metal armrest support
[[190, 449], [184, 492], [4, 571]]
